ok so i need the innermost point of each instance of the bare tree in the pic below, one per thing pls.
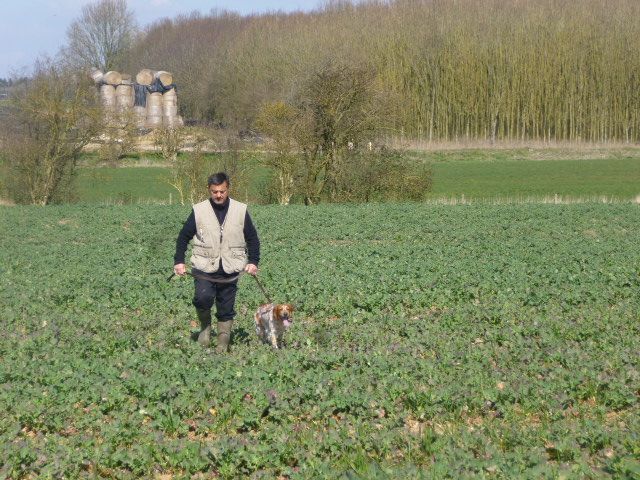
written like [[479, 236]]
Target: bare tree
[[277, 120], [340, 110], [49, 121], [102, 35], [169, 142]]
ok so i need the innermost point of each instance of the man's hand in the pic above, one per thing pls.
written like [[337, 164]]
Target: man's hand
[[251, 269], [180, 269]]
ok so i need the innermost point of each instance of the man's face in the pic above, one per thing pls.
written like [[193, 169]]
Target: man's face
[[219, 193]]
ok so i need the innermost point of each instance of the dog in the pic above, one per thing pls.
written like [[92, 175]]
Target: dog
[[272, 320]]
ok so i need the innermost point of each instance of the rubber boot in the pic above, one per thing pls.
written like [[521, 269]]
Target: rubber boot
[[204, 337], [224, 335]]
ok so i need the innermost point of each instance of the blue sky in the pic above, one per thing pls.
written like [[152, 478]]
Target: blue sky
[[30, 28]]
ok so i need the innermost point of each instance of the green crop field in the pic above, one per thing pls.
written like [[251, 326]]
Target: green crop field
[[430, 341], [509, 176], [616, 179], [145, 179], [123, 185]]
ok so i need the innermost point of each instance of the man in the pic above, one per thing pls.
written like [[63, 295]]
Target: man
[[225, 243]]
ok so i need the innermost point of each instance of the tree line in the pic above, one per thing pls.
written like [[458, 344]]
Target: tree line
[[551, 70]]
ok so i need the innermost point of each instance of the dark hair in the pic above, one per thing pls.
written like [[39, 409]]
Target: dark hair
[[218, 179]]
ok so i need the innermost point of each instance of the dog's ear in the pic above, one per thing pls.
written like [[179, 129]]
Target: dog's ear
[[291, 307]]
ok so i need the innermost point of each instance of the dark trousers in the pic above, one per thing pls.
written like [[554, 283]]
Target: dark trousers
[[223, 294]]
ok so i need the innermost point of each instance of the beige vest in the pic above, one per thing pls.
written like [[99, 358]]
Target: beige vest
[[213, 241]]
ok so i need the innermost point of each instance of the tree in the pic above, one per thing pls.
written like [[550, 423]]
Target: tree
[[277, 120], [50, 119], [118, 137], [323, 143], [102, 35], [340, 110], [170, 142]]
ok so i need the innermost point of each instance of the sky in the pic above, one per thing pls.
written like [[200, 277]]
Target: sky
[[32, 28]]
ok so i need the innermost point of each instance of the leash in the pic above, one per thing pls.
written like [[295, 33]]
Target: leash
[[225, 280], [262, 288]]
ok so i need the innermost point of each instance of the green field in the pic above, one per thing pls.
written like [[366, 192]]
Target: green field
[[475, 175], [123, 185], [431, 341], [618, 179]]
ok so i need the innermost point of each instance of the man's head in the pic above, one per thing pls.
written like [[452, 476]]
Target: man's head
[[218, 185]]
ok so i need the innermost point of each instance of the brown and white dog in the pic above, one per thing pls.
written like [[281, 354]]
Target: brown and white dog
[[272, 320]]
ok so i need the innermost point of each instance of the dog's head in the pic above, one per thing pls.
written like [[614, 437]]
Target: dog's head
[[284, 313]]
